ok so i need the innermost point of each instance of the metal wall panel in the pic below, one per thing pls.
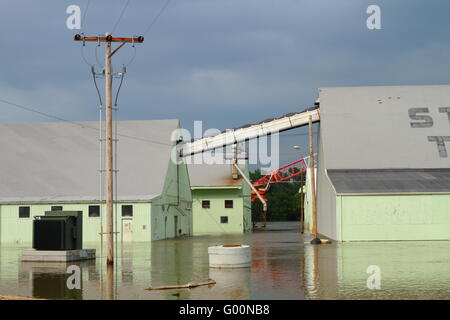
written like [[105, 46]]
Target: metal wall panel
[[380, 127]]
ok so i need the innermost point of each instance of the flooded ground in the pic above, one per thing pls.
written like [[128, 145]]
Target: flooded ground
[[285, 266]]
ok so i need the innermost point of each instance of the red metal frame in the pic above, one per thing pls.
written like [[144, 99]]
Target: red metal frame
[[281, 174]]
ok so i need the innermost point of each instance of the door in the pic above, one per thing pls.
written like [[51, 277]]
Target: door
[[127, 230]]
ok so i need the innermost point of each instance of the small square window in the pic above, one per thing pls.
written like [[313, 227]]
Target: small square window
[[206, 204], [228, 203], [57, 208], [127, 211], [223, 219], [24, 212], [94, 211]]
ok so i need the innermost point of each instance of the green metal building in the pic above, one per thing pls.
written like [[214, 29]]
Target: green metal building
[[220, 203], [55, 166], [383, 166]]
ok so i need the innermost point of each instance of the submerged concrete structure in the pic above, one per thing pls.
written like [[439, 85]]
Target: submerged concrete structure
[[55, 166], [383, 169]]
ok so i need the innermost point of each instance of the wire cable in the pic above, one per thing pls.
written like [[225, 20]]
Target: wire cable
[[118, 89], [157, 16], [83, 56], [96, 86], [132, 58], [43, 113], [96, 57], [85, 13], [120, 17], [84, 126]]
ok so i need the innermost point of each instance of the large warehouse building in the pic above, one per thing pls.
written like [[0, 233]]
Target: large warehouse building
[[383, 165], [55, 166]]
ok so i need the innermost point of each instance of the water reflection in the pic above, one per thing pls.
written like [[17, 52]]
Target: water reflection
[[49, 280], [285, 266], [232, 283]]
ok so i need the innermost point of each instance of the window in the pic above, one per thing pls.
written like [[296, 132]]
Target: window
[[94, 211], [57, 208], [228, 203], [223, 219], [127, 211], [24, 212], [206, 204]]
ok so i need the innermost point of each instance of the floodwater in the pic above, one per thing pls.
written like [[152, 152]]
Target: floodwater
[[285, 266]]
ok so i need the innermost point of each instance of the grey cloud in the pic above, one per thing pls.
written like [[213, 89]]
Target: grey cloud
[[224, 62]]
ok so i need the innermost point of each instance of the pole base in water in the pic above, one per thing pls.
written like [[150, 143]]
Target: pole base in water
[[320, 241]]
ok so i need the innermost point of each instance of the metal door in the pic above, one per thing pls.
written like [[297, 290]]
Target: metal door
[[127, 230]]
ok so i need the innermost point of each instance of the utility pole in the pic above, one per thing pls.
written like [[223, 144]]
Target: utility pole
[[109, 152], [108, 39], [316, 239], [302, 210]]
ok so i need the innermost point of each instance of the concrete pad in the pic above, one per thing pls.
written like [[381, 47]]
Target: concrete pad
[[58, 255]]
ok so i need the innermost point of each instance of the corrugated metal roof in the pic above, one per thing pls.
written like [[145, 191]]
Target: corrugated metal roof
[[386, 181], [59, 161], [212, 175]]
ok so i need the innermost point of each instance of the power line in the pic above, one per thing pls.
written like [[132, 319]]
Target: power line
[[121, 15], [84, 57], [96, 57], [120, 86], [84, 126], [83, 23], [85, 13], [94, 76], [40, 112], [157, 16]]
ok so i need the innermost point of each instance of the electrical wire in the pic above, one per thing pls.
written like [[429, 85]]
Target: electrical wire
[[120, 17], [157, 16], [83, 56], [43, 113], [96, 57], [84, 126], [96, 86], [155, 19], [118, 89], [85, 13], [132, 58]]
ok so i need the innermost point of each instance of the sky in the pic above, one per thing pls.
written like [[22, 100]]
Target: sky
[[225, 62]]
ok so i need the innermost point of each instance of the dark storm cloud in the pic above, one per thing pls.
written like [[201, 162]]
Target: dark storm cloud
[[223, 62]]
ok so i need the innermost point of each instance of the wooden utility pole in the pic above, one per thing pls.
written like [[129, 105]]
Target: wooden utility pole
[[109, 152], [313, 179], [302, 205], [108, 39]]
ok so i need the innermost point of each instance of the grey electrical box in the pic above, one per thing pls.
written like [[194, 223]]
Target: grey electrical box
[[58, 230]]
